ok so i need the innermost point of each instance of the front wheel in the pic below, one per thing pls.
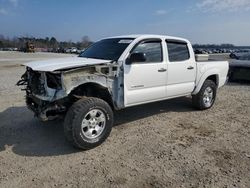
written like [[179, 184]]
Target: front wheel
[[88, 123], [206, 96]]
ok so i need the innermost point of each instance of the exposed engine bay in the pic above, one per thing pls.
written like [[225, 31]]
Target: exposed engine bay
[[50, 94]]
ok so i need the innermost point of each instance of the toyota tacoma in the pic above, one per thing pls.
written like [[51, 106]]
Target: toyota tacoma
[[116, 73]]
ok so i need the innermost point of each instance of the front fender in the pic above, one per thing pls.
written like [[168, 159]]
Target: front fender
[[73, 80]]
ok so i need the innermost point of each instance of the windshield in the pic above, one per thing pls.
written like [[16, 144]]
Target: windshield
[[108, 49]]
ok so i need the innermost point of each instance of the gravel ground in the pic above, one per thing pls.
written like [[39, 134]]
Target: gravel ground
[[164, 144]]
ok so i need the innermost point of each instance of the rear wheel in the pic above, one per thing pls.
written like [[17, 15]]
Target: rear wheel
[[206, 96], [88, 123]]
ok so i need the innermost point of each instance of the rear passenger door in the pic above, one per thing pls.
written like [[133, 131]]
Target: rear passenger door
[[181, 68]]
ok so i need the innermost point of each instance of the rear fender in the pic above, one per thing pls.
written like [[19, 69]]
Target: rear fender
[[203, 77]]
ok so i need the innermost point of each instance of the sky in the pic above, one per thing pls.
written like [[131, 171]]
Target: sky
[[200, 21]]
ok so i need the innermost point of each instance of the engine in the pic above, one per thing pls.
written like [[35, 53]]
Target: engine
[[42, 89]]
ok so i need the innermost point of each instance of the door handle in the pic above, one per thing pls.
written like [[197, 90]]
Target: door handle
[[162, 70], [190, 68]]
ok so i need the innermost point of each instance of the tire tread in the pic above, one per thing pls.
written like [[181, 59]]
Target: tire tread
[[70, 122]]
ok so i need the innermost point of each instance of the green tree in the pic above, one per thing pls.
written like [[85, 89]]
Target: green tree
[[53, 42], [85, 42]]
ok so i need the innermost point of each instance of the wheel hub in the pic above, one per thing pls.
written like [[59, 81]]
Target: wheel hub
[[93, 123], [208, 97]]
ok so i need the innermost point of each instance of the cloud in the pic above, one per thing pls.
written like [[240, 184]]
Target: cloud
[[14, 2], [8, 6], [223, 5], [3, 11], [161, 12]]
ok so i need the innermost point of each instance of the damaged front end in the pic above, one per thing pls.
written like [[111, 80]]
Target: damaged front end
[[50, 94], [43, 89]]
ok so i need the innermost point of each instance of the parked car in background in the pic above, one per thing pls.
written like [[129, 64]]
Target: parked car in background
[[60, 50], [200, 51], [241, 56], [71, 50], [233, 56], [9, 49]]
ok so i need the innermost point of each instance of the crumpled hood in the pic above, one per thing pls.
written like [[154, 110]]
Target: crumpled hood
[[63, 63]]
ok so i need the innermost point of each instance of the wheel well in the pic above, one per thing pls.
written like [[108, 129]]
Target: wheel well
[[93, 90], [214, 78]]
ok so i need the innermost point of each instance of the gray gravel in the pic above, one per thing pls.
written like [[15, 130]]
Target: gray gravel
[[164, 144]]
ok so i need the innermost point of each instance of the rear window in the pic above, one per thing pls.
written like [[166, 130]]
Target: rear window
[[177, 51]]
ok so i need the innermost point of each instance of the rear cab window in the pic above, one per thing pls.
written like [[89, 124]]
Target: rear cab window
[[178, 50]]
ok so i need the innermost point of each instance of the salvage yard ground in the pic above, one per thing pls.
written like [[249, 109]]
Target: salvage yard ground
[[164, 144]]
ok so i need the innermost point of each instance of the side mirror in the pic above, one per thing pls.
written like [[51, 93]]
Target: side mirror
[[136, 57]]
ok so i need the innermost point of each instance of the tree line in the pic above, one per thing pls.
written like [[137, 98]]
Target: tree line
[[47, 42], [53, 43]]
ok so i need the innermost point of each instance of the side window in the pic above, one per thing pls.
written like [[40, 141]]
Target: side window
[[152, 49], [177, 51]]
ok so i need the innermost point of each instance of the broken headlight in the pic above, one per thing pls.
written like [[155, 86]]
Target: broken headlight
[[54, 81]]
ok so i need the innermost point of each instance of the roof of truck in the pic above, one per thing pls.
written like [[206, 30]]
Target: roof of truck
[[148, 36]]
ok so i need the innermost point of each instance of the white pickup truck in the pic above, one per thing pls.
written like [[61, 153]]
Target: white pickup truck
[[117, 73]]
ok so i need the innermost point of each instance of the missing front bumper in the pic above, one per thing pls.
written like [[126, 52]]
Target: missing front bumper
[[44, 110]]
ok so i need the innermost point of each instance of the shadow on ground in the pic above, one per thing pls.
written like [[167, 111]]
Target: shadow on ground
[[26, 136], [127, 115]]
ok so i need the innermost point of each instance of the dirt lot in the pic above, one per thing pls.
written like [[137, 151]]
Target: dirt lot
[[165, 144]]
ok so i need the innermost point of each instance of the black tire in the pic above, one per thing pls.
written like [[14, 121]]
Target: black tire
[[73, 122], [197, 99]]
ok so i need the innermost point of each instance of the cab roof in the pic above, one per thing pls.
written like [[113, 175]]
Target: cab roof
[[143, 36]]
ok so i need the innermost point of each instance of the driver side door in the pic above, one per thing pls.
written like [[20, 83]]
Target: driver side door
[[146, 81]]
